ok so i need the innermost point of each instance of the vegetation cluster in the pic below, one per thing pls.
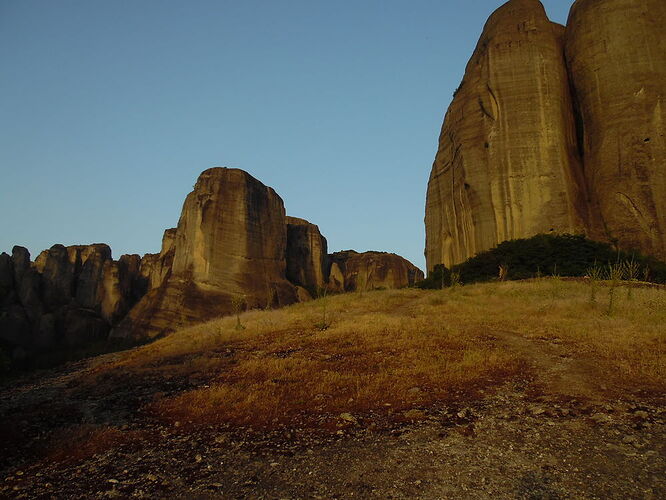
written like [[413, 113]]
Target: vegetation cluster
[[547, 255]]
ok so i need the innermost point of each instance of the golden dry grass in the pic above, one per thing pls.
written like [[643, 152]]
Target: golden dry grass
[[392, 351]]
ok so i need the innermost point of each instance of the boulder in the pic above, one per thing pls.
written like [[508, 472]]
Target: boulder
[[616, 56], [306, 255], [508, 164], [374, 270]]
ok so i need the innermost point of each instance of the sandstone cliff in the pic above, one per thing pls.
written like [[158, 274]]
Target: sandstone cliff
[[233, 247], [507, 163], [616, 54], [353, 271], [68, 297], [520, 155], [156, 267], [230, 244], [306, 255]]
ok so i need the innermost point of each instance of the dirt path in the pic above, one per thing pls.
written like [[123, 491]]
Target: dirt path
[[560, 372]]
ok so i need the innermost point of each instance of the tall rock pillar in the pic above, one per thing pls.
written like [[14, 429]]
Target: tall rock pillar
[[616, 55], [508, 163]]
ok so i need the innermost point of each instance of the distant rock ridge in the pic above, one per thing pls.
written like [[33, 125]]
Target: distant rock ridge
[[371, 271], [233, 247], [555, 130], [69, 297]]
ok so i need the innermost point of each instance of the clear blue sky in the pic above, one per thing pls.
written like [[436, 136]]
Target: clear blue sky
[[109, 110]]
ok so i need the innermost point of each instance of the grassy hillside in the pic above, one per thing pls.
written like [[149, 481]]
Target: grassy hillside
[[394, 354]]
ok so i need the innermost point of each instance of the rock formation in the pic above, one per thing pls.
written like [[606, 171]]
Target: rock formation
[[353, 271], [233, 247], [230, 244], [616, 55], [507, 164], [156, 267], [520, 155], [306, 255], [121, 287], [68, 297]]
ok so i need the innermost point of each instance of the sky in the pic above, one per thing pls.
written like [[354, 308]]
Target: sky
[[109, 110]]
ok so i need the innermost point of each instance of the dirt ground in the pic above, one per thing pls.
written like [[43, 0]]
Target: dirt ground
[[563, 435]]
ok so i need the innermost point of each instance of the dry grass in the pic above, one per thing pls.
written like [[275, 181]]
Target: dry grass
[[85, 441], [392, 351]]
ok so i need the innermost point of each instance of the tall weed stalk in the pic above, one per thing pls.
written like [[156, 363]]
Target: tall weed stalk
[[595, 274], [615, 272]]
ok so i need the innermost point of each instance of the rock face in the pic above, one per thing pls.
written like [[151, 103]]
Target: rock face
[[233, 248], [6, 276], [232, 235], [120, 288], [353, 271], [156, 267], [616, 54], [230, 244], [68, 297], [306, 255], [520, 155], [507, 164]]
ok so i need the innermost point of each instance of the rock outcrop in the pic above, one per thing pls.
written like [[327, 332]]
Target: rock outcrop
[[156, 267], [233, 248], [121, 287], [616, 55], [306, 255], [6, 276], [507, 165], [230, 245], [68, 297], [352, 271], [519, 154]]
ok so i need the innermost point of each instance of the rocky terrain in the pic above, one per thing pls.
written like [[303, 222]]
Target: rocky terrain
[[233, 249], [555, 129], [561, 428]]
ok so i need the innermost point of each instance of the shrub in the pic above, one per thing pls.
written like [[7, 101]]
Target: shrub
[[439, 277], [562, 255]]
